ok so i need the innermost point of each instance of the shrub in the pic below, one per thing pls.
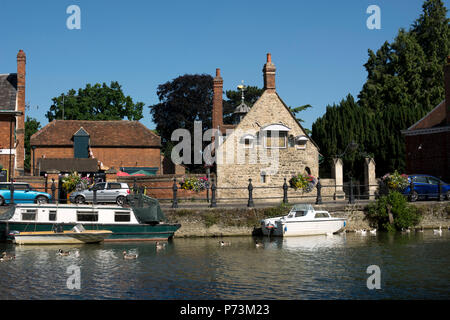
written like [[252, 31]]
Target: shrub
[[404, 214]]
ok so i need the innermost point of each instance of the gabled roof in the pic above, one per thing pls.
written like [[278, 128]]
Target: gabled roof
[[8, 91], [111, 133], [434, 118]]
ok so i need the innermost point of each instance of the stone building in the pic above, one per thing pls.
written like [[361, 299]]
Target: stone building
[[428, 140], [266, 145], [12, 123], [67, 145]]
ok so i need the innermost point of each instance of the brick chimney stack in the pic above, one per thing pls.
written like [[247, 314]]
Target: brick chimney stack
[[217, 112], [20, 124], [269, 74], [447, 88]]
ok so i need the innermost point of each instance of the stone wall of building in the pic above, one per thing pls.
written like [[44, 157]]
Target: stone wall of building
[[237, 164]]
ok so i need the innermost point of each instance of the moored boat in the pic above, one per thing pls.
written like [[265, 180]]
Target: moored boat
[[143, 220], [302, 220]]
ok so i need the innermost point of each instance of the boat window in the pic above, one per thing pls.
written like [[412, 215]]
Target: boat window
[[29, 214], [300, 214], [52, 215], [121, 216], [87, 216], [321, 215]]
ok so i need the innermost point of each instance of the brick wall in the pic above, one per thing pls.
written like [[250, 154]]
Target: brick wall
[[429, 154]]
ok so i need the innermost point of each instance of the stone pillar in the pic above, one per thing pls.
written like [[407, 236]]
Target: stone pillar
[[338, 176], [370, 180]]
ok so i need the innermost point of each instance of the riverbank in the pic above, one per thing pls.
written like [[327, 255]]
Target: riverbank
[[221, 222]]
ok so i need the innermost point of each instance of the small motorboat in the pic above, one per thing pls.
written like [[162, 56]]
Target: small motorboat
[[57, 236], [302, 220]]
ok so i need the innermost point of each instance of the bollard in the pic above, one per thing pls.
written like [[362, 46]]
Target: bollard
[[351, 198], [213, 195], [174, 188], [94, 190], [411, 190], [134, 186], [53, 187], [11, 191], [250, 194], [319, 192], [285, 192], [440, 198]]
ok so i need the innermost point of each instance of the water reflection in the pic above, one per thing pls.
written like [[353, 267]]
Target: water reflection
[[312, 267]]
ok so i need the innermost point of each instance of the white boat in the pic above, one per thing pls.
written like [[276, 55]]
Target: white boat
[[75, 236], [302, 220]]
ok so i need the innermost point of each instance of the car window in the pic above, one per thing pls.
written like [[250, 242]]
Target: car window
[[114, 186], [21, 187], [100, 186], [421, 179], [432, 180]]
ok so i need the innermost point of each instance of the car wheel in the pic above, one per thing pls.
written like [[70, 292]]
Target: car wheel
[[79, 199], [41, 200], [120, 200], [2, 201], [413, 196]]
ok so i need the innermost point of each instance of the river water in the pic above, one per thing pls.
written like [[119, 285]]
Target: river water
[[412, 266]]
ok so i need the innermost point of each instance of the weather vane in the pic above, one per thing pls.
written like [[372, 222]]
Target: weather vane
[[242, 87]]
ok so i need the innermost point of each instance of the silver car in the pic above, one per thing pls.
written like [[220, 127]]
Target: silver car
[[106, 192]]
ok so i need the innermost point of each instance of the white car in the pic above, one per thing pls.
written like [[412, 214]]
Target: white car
[[115, 192]]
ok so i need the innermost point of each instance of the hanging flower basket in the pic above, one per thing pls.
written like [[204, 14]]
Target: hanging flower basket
[[194, 183], [395, 181], [74, 182], [303, 182]]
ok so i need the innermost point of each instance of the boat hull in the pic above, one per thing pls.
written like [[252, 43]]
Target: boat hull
[[93, 236], [304, 228], [120, 232]]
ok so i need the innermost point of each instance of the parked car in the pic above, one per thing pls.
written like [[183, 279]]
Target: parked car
[[106, 192], [426, 186], [23, 193]]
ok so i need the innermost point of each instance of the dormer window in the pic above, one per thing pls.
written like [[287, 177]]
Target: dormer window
[[248, 141], [301, 141], [81, 144], [275, 136]]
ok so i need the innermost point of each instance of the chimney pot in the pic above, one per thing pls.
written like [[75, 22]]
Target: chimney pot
[[218, 72], [269, 58]]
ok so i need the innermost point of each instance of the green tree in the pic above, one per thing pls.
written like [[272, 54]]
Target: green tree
[[31, 127], [95, 102], [404, 82], [183, 101]]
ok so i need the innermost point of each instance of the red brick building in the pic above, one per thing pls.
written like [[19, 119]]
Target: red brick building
[[67, 145], [428, 140], [12, 123]]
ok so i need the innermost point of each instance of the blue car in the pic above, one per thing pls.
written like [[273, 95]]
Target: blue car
[[23, 193], [426, 186]]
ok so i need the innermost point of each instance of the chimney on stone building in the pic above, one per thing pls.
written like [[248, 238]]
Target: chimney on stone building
[[447, 89], [20, 120], [217, 112], [269, 74]]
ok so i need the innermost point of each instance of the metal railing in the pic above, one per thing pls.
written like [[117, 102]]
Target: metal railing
[[351, 194]]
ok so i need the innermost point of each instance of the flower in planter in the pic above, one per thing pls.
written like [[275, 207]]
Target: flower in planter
[[395, 181], [304, 182], [194, 183]]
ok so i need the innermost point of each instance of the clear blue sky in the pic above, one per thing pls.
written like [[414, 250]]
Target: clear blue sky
[[319, 47]]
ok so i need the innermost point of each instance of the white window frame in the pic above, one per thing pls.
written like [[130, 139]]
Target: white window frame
[[285, 140], [301, 138]]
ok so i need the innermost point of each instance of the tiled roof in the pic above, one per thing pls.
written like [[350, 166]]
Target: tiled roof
[[112, 133], [8, 90]]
